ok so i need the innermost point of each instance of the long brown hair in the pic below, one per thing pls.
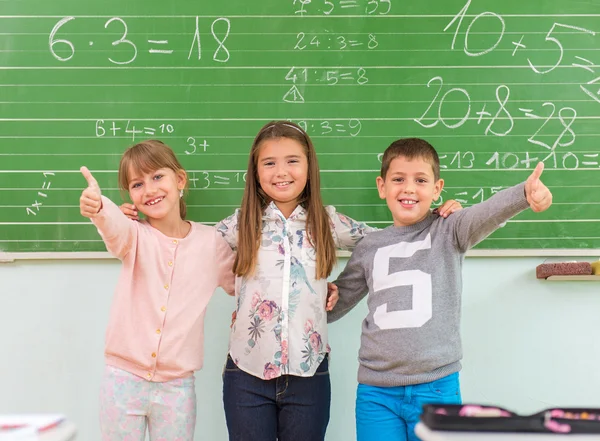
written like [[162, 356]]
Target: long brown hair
[[255, 201], [147, 157]]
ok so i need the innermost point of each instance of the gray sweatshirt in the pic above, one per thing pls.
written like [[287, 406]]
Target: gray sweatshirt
[[413, 276]]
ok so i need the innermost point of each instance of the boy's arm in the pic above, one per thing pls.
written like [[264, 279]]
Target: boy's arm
[[474, 224], [352, 285], [346, 231], [538, 195], [224, 258]]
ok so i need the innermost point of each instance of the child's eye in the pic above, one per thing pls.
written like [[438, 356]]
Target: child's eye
[[397, 179], [293, 161], [269, 164], [158, 177], [136, 185], [422, 181]]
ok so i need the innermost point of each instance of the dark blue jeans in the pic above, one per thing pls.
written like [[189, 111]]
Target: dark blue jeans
[[288, 408]]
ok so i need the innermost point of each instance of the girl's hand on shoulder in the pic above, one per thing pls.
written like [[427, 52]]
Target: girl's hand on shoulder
[[447, 208], [90, 201], [130, 211], [332, 296]]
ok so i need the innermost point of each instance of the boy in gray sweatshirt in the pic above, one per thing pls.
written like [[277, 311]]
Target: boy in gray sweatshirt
[[410, 348]]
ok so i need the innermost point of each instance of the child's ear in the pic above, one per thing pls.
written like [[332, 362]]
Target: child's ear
[[439, 185], [181, 179], [380, 187]]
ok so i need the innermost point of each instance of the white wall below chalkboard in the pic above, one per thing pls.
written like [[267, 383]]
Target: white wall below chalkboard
[[528, 344]]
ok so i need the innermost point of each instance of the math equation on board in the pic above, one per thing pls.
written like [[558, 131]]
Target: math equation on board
[[494, 116], [64, 50]]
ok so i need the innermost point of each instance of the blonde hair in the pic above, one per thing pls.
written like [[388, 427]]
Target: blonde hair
[[147, 157], [255, 201]]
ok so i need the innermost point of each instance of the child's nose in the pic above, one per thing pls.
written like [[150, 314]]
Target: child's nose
[[151, 187], [409, 187], [281, 170]]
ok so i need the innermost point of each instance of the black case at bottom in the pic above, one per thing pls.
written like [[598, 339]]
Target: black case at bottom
[[481, 418]]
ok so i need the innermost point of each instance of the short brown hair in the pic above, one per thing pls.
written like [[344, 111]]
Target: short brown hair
[[147, 157], [411, 148], [255, 200]]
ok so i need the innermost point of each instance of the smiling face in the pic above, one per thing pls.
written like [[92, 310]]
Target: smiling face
[[156, 194], [409, 189], [282, 171]]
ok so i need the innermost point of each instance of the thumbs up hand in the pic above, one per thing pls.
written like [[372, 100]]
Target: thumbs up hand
[[537, 194], [90, 201]]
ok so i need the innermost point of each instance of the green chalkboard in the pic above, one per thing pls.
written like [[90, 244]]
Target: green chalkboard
[[493, 85]]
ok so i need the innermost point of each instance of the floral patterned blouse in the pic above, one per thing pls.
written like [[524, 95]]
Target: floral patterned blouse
[[281, 323]]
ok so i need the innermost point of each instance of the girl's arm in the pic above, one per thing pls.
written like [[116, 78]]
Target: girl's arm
[[116, 230], [229, 229], [448, 207], [224, 257], [346, 231]]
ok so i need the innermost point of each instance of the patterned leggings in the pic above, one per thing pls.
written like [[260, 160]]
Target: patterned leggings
[[128, 403]]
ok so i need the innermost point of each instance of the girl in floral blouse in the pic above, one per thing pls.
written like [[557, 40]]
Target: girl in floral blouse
[[276, 380]]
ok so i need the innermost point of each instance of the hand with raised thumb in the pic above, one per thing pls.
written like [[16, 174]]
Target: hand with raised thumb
[[537, 194], [90, 201]]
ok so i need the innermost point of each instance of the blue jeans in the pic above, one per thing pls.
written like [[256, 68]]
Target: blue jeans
[[391, 413], [287, 408]]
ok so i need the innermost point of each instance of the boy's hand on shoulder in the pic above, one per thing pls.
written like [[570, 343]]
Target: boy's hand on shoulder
[[332, 296], [538, 195], [447, 208], [130, 211], [90, 201]]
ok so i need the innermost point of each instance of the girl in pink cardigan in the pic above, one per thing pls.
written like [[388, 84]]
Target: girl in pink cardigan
[[154, 340]]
